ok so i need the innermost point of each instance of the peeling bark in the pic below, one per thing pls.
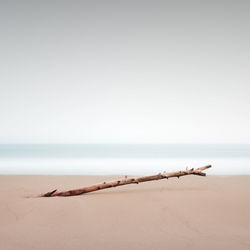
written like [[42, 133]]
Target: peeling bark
[[126, 181]]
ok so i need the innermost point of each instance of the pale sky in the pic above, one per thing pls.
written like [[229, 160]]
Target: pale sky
[[124, 71]]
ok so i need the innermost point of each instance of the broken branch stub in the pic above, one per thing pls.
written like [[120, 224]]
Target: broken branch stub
[[126, 181]]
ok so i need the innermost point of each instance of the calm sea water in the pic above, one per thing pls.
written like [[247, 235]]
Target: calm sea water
[[121, 159]]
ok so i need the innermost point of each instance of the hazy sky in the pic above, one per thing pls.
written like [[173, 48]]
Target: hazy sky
[[124, 71]]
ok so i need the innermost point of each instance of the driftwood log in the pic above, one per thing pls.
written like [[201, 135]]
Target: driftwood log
[[126, 181]]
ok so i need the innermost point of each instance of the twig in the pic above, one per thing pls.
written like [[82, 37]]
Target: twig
[[127, 181]]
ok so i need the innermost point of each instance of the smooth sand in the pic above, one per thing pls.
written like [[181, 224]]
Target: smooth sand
[[192, 212]]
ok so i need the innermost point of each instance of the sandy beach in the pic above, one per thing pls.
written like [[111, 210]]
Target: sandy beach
[[192, 212]]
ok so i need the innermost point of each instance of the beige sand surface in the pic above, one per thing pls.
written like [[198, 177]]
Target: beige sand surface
[[192, 212]]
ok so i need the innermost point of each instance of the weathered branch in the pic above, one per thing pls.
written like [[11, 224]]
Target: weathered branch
[[127, 181]]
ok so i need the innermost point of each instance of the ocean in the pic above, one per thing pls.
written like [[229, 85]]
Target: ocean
[[122, 159]]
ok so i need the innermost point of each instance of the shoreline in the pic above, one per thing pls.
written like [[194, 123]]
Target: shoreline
[[192, 212]]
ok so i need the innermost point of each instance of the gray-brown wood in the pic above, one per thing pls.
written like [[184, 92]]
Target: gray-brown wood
[[126, 181]]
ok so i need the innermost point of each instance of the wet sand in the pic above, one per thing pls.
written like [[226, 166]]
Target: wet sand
[[192, 212]]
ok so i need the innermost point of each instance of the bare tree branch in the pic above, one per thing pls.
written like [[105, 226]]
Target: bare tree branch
[[127, 181]]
